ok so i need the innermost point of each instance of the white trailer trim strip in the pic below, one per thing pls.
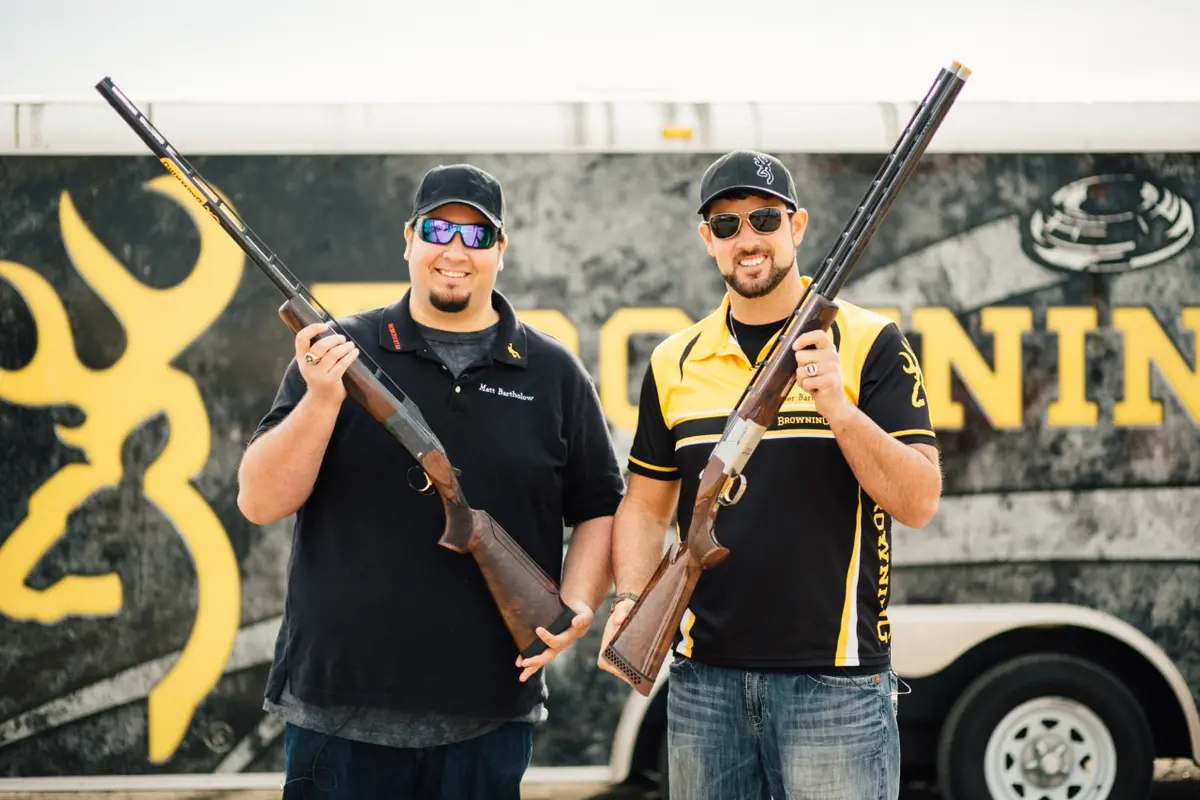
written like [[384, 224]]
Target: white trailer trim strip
[[77, 127]]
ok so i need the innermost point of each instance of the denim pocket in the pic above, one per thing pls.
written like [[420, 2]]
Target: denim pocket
[[865, 683], [680, 665]]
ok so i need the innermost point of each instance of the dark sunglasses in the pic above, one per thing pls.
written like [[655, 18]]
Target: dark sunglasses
[[763, 220], [474, 235]]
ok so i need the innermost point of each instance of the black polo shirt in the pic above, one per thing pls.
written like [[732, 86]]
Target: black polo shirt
[[377, 613], [807, 582]]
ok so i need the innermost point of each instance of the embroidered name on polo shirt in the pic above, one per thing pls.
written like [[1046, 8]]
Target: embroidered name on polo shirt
[[483, 387]]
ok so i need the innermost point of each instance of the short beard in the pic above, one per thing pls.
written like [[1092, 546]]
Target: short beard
[[774, 278], [449, 305]]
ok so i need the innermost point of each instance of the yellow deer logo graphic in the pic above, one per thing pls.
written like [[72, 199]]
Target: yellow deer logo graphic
[[912, 368], [159, 324]]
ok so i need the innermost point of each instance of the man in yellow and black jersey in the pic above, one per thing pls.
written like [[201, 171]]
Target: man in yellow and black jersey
[[780, 680]]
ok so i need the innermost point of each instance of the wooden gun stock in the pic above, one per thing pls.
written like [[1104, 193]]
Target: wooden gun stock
[[525, 595], [640, 646]]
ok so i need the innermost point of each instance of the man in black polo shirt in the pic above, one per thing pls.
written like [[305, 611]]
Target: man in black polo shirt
[[780, 678], [393, 667]]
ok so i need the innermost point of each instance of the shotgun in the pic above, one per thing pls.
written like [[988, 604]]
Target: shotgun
[[640, 645], [526, 596]]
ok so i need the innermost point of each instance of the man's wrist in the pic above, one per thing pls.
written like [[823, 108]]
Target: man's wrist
[[322, 405], [577, 602], [841, 416], [620, 597]]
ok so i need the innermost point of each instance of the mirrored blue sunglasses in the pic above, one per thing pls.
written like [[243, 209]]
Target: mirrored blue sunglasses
[[476, 236]]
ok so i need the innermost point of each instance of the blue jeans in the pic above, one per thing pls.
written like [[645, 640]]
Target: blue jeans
[[737, 735], [489, 767]]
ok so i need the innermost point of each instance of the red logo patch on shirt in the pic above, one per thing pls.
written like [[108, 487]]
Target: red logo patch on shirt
[[395, 338]]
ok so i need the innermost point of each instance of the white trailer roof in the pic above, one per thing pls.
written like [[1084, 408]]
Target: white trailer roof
[[611, 75]]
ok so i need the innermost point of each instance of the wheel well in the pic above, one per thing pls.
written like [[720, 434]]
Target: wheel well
[[923, 711]]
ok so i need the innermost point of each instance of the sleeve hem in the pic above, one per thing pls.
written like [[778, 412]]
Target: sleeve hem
[[653, 471], [261, 431], [916, 436], [599, 509]]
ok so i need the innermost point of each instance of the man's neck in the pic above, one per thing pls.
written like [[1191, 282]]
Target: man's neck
[[771, 307], [475, 317]]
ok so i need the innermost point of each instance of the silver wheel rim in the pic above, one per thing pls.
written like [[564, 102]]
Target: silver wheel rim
[[1050, 748]]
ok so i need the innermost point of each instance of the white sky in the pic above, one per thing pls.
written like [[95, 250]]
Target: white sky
[[788, 50]]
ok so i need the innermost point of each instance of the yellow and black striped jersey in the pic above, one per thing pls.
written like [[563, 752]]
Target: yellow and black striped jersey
[[806, 583]]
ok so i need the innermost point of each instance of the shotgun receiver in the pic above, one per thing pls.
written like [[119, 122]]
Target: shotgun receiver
[[525, 595], [640, 645]]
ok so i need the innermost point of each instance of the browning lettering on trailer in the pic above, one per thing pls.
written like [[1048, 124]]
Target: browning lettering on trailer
[[158, 325], [947, 349]]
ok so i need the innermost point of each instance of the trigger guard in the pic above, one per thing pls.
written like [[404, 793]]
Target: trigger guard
[[724, 497], [415, 480]]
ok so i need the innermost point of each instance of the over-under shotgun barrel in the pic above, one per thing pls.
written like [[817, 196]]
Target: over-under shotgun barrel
[[525, 595], [639, 646]]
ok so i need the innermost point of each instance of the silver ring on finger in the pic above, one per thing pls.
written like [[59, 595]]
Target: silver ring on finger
[[812, 369], [310, 358]]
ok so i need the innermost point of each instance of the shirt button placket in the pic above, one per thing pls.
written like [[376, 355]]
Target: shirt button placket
[[457, 402]]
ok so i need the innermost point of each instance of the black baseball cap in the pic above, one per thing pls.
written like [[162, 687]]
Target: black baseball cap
[[747, 170], [461, 183]]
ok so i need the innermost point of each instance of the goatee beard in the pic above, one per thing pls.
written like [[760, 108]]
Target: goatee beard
[[449, 305], [774, 277]]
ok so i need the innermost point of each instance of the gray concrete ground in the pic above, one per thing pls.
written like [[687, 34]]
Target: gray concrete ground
[[539, 792], [1175, 780]]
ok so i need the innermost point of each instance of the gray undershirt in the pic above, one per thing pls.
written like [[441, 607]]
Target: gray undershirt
[[459, 350], [401, 728]]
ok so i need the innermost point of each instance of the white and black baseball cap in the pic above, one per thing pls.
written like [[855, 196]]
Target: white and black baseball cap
[[747, 171]]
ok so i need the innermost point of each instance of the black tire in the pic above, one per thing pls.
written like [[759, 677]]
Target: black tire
[[963, 742]]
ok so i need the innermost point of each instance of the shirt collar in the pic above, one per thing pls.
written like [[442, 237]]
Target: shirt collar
[[715, 338], [398, 332]]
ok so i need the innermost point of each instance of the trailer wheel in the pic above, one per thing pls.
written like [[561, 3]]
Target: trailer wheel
[[1044, 727]]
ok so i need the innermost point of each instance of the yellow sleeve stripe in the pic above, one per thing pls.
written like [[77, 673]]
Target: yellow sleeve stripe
[[641, 463], [913, 432]]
